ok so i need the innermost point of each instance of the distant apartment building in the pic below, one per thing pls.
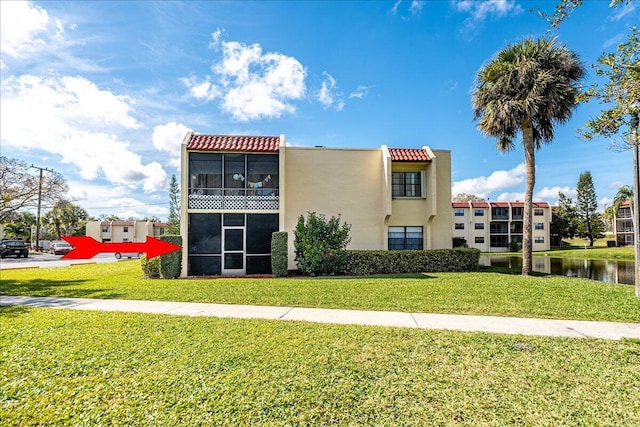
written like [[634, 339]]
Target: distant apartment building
[[623, 225], [493, 226], [124, 231]]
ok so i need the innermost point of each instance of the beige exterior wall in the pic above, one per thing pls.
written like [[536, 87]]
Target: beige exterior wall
[[123, 231], [336, 182], [357, 185]]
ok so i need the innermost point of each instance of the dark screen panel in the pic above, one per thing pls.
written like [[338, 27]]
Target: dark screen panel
[[259, 230], [205, 233], [204, 266], [259, 264]]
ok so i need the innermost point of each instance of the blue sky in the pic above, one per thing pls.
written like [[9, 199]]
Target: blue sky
[[104, 92]]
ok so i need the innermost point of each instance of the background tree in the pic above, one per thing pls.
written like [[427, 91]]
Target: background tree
[[564, 8], [19, 187], [173, 226], [64, 218], [464, 197], [591, 225], [564, 221], [527, 88]]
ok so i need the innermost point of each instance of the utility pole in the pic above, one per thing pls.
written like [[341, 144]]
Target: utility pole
[[39, 203], [636, 197]]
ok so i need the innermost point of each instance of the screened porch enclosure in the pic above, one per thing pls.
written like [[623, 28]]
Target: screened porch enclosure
[[233, 181], [230, 243]]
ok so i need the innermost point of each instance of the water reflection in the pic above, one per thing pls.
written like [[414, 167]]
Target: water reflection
[[602, 270]]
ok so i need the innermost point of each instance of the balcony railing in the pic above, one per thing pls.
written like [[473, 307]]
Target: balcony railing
[[234, 199]]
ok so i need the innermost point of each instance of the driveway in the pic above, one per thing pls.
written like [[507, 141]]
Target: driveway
[[45, 260]]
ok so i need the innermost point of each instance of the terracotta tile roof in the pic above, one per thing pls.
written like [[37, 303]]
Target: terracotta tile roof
[[534, 204], [460, 204], [234, 143], [480, 204], [409, 155]]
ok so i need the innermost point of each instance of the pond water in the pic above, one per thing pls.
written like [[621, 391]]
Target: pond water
[[602, 270]]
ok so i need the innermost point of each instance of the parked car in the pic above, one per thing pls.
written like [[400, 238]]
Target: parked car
[[60, 248], [13, 247], [128, 255]]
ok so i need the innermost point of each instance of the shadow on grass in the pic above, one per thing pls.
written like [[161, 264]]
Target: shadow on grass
[[53, 288], [13, 310], [375, 276]]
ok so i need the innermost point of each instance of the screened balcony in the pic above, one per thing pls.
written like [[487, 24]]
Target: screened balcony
[[233, 181]]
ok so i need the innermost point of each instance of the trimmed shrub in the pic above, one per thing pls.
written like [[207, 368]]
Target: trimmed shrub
[[364, 263], [171, 263], [279, 253], [320, 244], [150, 267]]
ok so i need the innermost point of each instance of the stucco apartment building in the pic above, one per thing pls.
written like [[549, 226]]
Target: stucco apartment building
[[240, 189], [623, 225], [124, 231], [492, 226]]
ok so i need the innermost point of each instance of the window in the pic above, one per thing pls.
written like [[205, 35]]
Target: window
[[539, 239], [500, 213], [458, 212], [538, 225], [401, 238], [517, 213], [479, 239], [105, 229], [459, 226], [478, 212], [125, 229], [538, 212], [479, 226], [500, 241], [406, 184]]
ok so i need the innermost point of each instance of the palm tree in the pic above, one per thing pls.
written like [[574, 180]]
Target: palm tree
[[527, 87], [624, 194]]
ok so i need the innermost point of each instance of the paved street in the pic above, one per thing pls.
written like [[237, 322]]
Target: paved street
[[46, 260]]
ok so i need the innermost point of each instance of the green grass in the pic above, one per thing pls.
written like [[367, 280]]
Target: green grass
[[595, 252], [484, 292], [64, 367]]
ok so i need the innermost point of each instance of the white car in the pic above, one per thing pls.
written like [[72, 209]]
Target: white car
[[128, 255]]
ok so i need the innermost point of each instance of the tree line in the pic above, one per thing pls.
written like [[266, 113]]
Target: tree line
[[19, 193]]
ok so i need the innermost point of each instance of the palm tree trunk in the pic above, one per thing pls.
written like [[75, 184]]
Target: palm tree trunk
[[530, 182]]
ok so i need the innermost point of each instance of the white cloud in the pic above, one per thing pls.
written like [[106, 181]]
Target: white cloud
[[203, 90], [216, 38], [72, 118], [252, 85], [360, 92], [168, 138], [22, 26], [498, 180], [328, 94], [623, 11], [479, 11], [415, 7]]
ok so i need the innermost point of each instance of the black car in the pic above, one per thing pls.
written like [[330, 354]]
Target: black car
[[13, 247]]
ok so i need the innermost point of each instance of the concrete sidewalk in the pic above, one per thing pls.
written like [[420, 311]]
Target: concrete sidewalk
[[495, 324]]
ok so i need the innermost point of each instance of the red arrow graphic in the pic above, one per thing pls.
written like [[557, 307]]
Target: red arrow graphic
[[88, 247]]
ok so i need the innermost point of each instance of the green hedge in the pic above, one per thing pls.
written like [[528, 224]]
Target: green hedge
[[279, 253], [364, 263], [171, 263], [150, 267]]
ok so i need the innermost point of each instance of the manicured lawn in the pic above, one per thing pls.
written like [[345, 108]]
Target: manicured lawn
[[64, 367], [595, 252], [483, 292]]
